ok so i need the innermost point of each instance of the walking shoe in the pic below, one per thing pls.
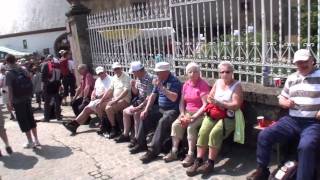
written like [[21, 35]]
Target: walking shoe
[[133, 142], [188, 161], [206, 168], [9, 150], [113, 133], [138, 148], [193, 170], [122, 138], [259, 174], [171, 156], [28, 145], [148, 157], [71, 126], [37, 143]]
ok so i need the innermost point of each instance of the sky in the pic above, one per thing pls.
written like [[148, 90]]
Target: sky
[[29, 15]]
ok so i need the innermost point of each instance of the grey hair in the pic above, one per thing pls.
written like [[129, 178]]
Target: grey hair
[[192, 65], [226, 63], [82, 66]]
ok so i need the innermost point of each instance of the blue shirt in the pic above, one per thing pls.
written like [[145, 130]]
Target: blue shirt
[[174, 85]]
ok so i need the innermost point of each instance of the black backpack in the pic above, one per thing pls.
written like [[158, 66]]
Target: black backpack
[[22, 84]]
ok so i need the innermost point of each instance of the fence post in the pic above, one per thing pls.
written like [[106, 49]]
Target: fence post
[[265, 69]]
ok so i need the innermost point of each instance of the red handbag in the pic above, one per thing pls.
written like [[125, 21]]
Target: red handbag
[[215, 112]]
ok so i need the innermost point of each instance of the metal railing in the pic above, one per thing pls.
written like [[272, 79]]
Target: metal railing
[[258, 36]]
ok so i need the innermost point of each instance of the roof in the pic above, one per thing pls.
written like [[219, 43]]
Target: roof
[[31, 15], [13, 52]]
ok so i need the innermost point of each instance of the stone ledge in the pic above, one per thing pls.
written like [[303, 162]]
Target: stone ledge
[[254, 93]]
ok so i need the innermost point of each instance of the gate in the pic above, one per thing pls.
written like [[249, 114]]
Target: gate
[[258, 36]]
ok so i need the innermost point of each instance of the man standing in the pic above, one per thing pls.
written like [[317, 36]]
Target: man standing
[[168, 90], [120, 95], [83, 93], [20, 92], [68, 75], [51, 76], [299, 95], [141, 89], [102, 84]]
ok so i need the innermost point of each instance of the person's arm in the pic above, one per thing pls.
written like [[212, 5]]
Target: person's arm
[[236, 100], [150, 102], [285, 102], [201, 109], [134, 89], [93, 94], [87, 88], [182, 106], [172, 96], [210, 97]]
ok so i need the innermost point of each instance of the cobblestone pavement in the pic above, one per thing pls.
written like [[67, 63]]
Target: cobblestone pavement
[[88, 156]]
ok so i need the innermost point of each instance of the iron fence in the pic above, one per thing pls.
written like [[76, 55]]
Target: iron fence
[[258, 36]]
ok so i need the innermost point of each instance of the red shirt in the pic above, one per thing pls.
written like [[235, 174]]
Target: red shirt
[[87, 80]]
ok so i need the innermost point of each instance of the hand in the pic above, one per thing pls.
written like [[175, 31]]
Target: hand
[[143, 115], [158, 83], [318, 115], [10, 107], [288, 103], [110, 103], [133, 83]]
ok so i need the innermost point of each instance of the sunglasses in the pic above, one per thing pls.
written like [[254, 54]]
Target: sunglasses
[[225, 72]]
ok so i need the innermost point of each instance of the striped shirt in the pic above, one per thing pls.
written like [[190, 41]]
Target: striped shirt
[[305, 92], [144, 86]]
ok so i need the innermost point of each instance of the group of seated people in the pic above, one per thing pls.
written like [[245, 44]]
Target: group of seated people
[[162, 104]]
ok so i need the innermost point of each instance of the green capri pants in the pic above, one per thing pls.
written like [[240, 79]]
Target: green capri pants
[[211, 132], [192, 129]]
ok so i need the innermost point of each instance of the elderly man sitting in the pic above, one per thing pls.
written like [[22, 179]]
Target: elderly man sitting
[[101, 85], [141, 87], [168, 90], [300, 95], [119, 93]]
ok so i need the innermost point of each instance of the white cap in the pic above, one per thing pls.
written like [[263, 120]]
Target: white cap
[[301, 55], [135, 66], [61, 51], [116, 65], [162, 66], [99, 69]]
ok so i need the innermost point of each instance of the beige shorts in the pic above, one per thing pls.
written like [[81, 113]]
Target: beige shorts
[[93, 105]]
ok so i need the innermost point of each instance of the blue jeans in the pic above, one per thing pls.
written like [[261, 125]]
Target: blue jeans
[[287, 128]]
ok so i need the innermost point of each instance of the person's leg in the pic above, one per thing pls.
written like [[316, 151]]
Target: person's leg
[[136, 119], [47, 107], [285, 129], [149, 123], [57, 106], [84, 115], [163, 127], [75, 106], [202, 145], [3, 136], [65, 89], [307, 150], [111, 112], [177, 132], [192, 134], [127, 114]]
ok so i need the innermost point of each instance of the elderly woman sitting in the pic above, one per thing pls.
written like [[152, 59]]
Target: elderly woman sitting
[[227, 94], [192, 104]]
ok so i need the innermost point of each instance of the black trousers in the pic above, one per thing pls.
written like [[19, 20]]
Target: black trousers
[[52, 101], [69, 85], [78, 105]]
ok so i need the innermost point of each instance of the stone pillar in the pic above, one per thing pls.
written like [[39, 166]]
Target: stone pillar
[[78, 35]]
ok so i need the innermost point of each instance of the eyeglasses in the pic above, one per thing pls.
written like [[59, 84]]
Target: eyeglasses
[[225, 72]]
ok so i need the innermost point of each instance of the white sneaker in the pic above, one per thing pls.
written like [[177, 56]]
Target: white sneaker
[[29, 145], [37, 143]]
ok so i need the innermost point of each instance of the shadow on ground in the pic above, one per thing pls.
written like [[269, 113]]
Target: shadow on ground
[[19, 161], [53, 152]]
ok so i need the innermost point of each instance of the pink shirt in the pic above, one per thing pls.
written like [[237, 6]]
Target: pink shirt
[[192, 94]]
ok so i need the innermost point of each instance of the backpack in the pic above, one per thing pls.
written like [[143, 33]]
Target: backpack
[[22, 84], [64, 67], [54, 71]]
